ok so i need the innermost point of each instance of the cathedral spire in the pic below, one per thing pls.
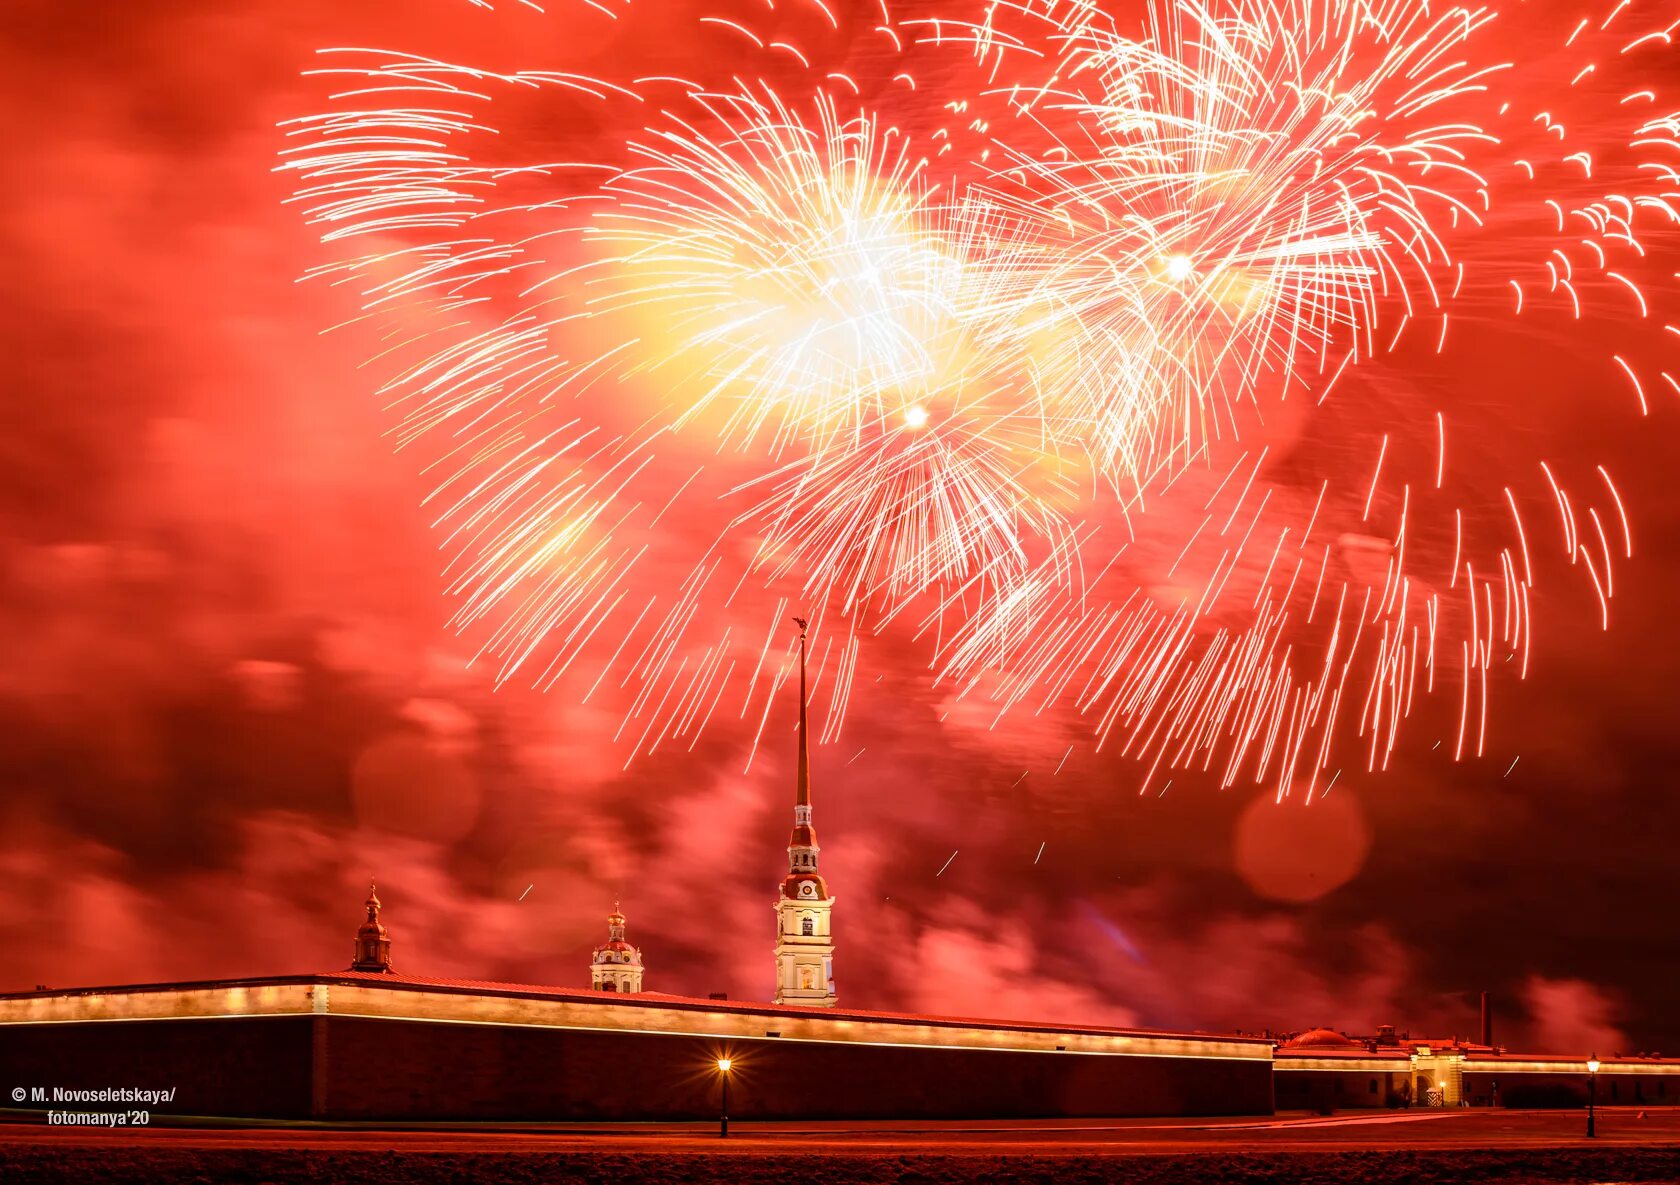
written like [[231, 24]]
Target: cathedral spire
[[803, 796], [804, 943], [373, 945], [802, 844]]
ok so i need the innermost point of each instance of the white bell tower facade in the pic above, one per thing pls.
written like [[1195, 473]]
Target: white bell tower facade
[[804, 909], [617, 965]]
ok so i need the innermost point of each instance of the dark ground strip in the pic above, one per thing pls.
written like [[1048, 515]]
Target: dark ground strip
[[191, 1166]]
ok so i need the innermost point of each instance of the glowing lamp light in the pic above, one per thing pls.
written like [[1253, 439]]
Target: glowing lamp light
[[1179, 268], [915, 416], [723, 1065], [1592, 1095]]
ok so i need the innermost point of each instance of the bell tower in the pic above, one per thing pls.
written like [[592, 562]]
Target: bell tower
[[617, 966], [804, 939], [373, 945]]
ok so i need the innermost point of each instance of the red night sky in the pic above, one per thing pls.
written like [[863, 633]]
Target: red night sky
[[229, 690]]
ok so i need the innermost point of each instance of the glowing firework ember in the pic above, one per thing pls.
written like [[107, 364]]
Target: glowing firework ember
[[1092, 352]]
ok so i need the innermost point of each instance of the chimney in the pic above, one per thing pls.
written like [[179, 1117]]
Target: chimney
[[1487, 1021]]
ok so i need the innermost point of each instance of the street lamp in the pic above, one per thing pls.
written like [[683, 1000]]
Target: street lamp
[[723, 1065], [1592, 1094]]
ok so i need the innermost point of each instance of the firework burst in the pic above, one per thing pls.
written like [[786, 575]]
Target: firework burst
[[1025, 344]]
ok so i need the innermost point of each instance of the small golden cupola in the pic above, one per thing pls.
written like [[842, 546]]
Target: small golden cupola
[[373, 945]]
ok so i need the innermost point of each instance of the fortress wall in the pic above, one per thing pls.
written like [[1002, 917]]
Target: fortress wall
[[354, 1049], [389, 1069]]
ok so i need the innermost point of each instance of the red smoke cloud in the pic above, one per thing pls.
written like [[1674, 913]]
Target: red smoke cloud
[[228, 696]]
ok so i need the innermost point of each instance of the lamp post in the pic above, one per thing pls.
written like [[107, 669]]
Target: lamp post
[[723, 1065], [1592, 1095]]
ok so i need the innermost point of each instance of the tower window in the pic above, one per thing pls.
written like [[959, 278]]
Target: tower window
[[808, 925]]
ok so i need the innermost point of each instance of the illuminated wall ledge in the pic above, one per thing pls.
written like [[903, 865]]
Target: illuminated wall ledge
[[460, 1002], [1544, 1065], [1474, 1063], [1351, 1065]]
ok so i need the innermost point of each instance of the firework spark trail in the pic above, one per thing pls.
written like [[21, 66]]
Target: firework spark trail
[[960, 357], [1176, 700], [1225, 202], [807, 314]]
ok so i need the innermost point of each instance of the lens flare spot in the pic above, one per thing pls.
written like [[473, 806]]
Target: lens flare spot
[[1301, 851]]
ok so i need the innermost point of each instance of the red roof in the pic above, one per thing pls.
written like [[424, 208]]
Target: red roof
[[1317, 1039], [791, 883]]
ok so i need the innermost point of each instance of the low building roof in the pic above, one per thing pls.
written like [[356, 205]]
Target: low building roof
[[1319, 1039]]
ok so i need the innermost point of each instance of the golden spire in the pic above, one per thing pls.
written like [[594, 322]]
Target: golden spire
[[804, 796]]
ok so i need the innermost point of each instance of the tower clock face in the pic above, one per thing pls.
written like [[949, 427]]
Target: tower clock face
[[807, 890]]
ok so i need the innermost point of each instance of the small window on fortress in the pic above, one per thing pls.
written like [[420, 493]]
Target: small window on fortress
[[808, 926]]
